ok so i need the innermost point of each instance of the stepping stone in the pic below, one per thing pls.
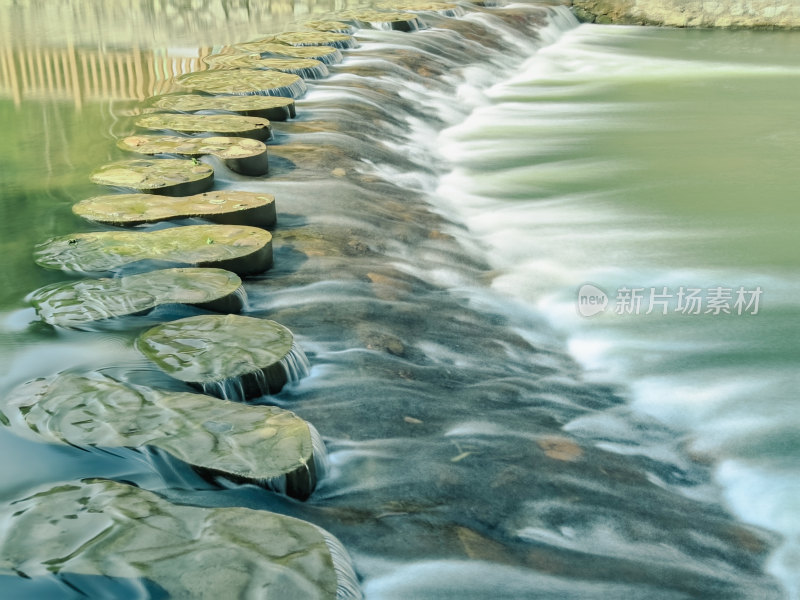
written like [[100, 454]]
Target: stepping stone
[[274, 108], [398, 21], [447, 9], [170, 177], [241, 155], [307, 68], [80, 302], [220, 206], [314, 38], [330, 26], [223, 125], [252, 443], [244, 82], [101, 527], [243, 250], [327, 54], [230, 356]]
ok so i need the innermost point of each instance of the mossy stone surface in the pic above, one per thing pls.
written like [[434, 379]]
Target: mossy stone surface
[[212, 349], [245, 442], [228, 207], [76, 303], [327, 54], [330, 26], [242, 155], [307, 68], [100, 527], [171, 177], [274, 108], [243, 82], [238, 248], [224, 125], [315, 38], [445, 8], [399, 21]]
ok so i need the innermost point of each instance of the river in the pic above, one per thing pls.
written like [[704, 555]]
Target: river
[[473, 184]]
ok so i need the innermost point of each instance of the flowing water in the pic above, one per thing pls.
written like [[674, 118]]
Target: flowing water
[[442, 197]]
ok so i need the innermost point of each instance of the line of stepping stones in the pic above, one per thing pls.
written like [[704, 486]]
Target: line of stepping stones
[[190, 552]]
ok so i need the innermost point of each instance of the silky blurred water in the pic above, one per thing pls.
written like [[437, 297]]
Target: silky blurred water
[[431, 279]]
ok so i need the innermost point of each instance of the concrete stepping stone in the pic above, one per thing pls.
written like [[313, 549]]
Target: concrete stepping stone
[[222, 125], [78, 303], [229, 356], [307, 68], [170, 177], [228, 207], [238, 248], [244, 82], [101, 527], [326, 54], [251, 443], [241, 155], [274, 108]]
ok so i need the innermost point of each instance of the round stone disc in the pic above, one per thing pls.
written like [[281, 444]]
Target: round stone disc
[[243, 250], [307, 68], [242, 82], [76, 303], [315, 38], [104, 528], [228, 207], [327, 54], [399, 21], [274, 108], [223, 125], [171, 177], [330, 26], [214, 349]]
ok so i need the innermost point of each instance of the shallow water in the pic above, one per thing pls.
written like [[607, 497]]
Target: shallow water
[[469, 456]]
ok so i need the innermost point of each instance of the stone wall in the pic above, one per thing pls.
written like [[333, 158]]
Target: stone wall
[[764, 14]]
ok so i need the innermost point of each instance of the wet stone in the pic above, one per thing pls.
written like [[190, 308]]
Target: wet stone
[[326, 54], [223, 125], [447, 9], [331, 26], [79, 302], [274, 108], [393, 20], [171, 177], [238, 248], [259, 444], [307, 68], [244, 82], [228, 356], [315, 38], [220, 206], [100, 527], [241, 155]]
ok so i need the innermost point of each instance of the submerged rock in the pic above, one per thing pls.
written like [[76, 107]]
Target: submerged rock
[[244, 82], [79, 302], [307, 68], [259, 444], [224, 125], [228, 356], [327, 54], [220, 206], [274, 108], [238, 248], [171, 177], [99, 527], [242, 155]]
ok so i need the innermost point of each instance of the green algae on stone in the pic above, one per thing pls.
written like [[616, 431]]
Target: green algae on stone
[[307, 68], [77, 303], [329, 26], [238, 248], [210, 351], [242, 155], [314, 38], [171, 177], [106, 528], [254, 443], [326, 54], [224, 125], [274, 108], [228, 207], [244, 82]]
